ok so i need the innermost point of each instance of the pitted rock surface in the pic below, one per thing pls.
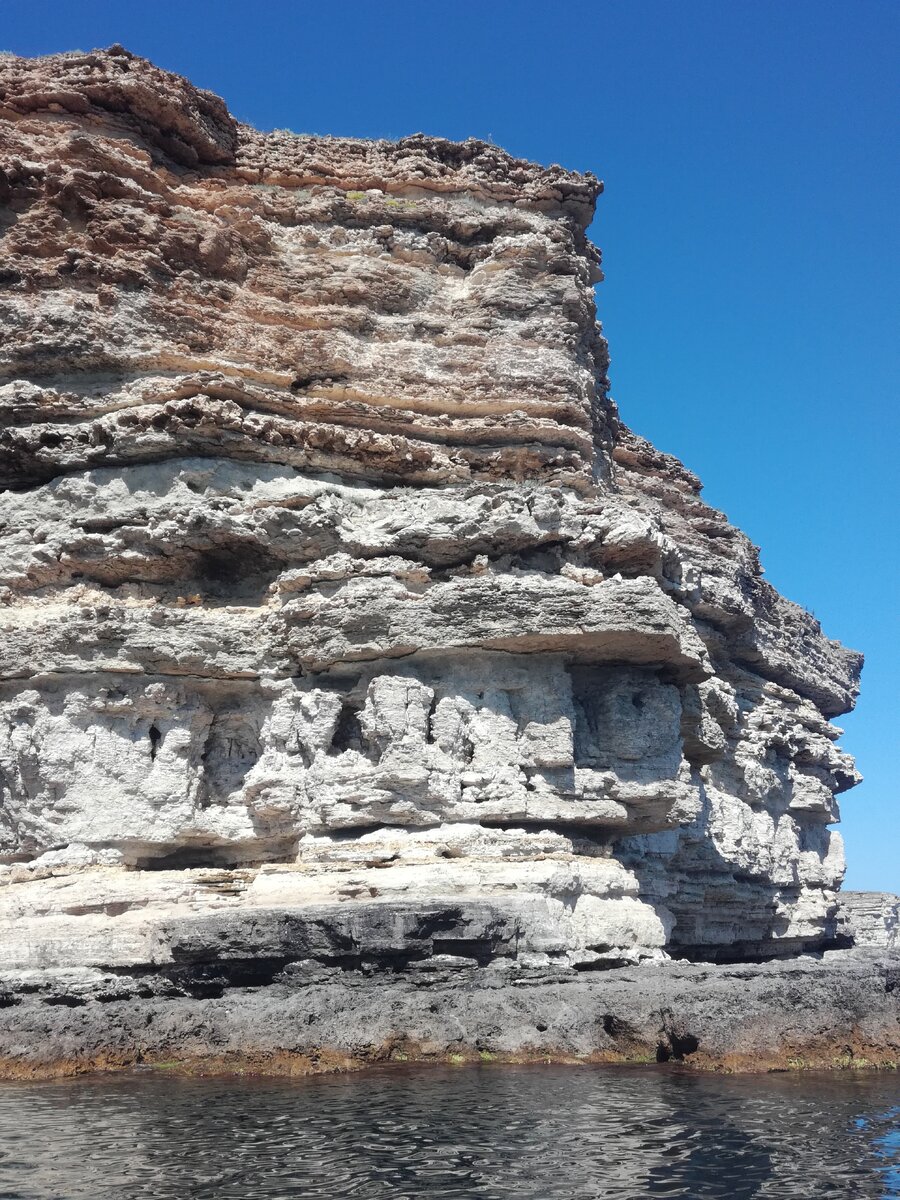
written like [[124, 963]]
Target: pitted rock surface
[[870, 919], [335, 593]]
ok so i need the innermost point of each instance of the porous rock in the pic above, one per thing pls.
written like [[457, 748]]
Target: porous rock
[[870, 919]]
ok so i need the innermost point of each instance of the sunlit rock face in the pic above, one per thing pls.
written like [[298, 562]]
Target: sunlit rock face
[[332, 585], [870, 919]]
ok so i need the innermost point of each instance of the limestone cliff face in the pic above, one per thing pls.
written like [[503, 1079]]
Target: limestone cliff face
[[341, 616]]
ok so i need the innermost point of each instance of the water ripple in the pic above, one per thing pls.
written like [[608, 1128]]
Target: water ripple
[[486, 1133]]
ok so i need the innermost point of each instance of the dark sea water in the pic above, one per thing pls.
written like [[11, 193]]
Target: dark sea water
[[535, 1133]]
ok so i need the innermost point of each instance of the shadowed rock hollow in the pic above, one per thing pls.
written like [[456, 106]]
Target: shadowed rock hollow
[[343, 622]]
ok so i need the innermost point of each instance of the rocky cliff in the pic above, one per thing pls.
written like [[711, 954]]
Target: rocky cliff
[[344, 623]]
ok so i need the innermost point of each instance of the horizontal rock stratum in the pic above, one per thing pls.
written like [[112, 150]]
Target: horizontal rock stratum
[[355, 657]]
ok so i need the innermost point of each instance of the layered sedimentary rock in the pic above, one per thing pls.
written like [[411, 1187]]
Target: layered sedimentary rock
[[870, 919], [342, 619]]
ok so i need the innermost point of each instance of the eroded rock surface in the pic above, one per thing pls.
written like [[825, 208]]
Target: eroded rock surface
[[340, 614], [870, 919]]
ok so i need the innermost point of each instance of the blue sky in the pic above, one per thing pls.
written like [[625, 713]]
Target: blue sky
[[749, 233]]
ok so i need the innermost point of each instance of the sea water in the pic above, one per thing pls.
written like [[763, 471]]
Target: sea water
[[473, 1133]]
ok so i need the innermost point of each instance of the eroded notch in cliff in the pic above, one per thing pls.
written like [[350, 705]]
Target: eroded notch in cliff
[[624, 713], [239, 571], [348, 732]]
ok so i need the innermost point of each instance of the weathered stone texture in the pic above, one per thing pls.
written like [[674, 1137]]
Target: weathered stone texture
[[327, 565], [870, 919]]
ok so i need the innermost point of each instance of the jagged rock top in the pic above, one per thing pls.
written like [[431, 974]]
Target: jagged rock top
[[192, 126], [175, 281], [186, 123]]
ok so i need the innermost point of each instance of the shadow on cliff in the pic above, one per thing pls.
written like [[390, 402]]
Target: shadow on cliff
[[722, 913]]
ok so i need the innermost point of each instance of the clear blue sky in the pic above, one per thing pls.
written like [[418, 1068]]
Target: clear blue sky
[[749, 232]]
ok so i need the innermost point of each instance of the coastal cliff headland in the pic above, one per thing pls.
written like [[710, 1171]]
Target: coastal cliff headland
[[368, 691]]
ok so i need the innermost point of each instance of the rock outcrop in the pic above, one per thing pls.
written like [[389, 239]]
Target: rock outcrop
[[343, 621], [836, 1011], [870, 919]]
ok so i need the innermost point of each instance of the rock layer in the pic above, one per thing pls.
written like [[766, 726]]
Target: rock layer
[[870, 919], [343, 620], [837, 1012]]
